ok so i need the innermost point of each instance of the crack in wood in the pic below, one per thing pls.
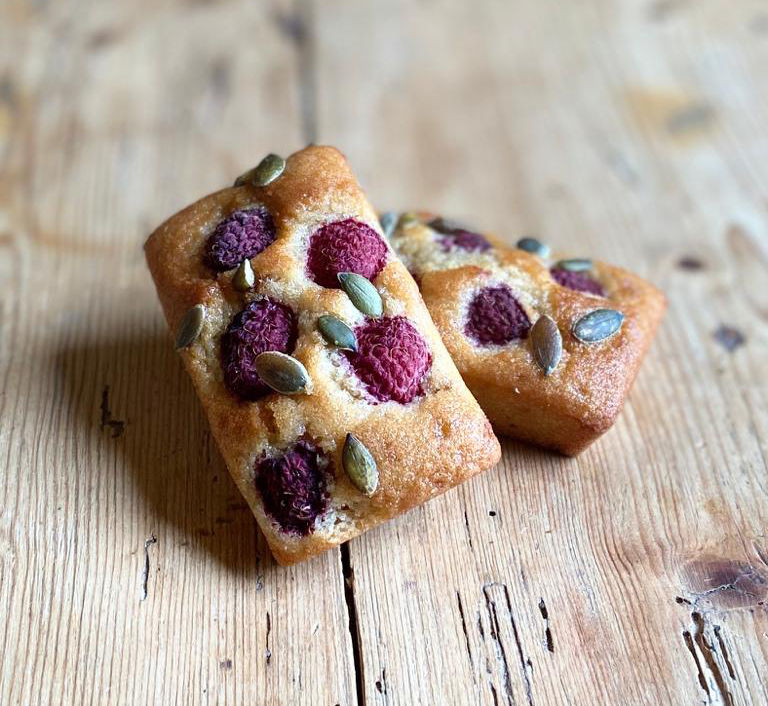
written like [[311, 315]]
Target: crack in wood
[[692, 649], [698, 644], [381, 684], [724, 652], [145, 571], [352, 620], [116, 426], [493, 620], [466, 634], [525, 664], [267, 649], [708, 653], [469, 533], [547, 631]]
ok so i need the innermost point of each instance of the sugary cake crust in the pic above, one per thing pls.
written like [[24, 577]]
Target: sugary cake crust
[[580, 400], [422, 448]]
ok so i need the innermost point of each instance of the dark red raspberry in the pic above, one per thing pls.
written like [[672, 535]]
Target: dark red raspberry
[[345, 246], [496, 317], [391, 360], [579, 281], [264, 325], [465, 240], [241, 235], [293, 487], [455, 236]]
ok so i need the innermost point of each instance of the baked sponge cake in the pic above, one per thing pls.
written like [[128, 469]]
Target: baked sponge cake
[[330, 394], [549, 347]]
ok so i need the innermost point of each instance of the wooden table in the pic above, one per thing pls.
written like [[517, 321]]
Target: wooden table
[[132, 572]]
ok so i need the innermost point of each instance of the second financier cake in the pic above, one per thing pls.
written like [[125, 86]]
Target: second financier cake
[[332, 398], [548, 347]]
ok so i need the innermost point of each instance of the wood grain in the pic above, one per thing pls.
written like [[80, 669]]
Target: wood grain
[[130, 569]]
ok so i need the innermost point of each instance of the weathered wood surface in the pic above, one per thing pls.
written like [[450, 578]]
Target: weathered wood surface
[[131, 570]]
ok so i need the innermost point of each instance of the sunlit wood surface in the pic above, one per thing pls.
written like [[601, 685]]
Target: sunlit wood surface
[[131, 572]]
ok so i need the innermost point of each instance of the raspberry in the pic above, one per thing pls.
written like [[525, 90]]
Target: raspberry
[[242, 235], [345, 246], [465, 240], [455, 236], [496, 317], [578, 281], [391, 360], [264, 325], [293, 487]]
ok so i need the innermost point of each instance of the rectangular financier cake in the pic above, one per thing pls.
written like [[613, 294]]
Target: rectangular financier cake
[[332, 398], [548, 347]]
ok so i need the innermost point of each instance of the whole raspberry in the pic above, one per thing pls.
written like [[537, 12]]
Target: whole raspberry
[[579, 281], [495, 317], [241, 235], [264, 325], [345, 246], [293, 487], [391, 359]]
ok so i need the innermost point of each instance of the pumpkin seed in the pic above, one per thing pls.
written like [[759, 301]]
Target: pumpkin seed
[[388, 222], [271, 167], [407, 219], [337, 333], [245, 177], [547, 344], [361, 293], [534, 246], [577, 264], [598, 325], [360, 465], [244, 279], [283, 373], [447, 226], [191, 326], [265, 172]]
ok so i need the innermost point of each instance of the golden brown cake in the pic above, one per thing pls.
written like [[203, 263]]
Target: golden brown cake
[[549, 347], [332, 398]]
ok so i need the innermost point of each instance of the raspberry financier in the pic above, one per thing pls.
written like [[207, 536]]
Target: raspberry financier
[[549, 348], [327, 387]]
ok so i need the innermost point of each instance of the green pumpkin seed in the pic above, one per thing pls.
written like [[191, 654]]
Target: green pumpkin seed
[[447, 226], [577, 264], [283, 373], [244, 279], [534, 246], [337, 333], [191, 326], [265, 172], [598, 325], [361, 293], [407, 219], [245, 177], [388, 222], [546, 344], [360, 465], [271, 167]]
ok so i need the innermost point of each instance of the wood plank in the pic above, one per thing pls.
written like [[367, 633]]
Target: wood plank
[[131, 569], [636, 573]]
